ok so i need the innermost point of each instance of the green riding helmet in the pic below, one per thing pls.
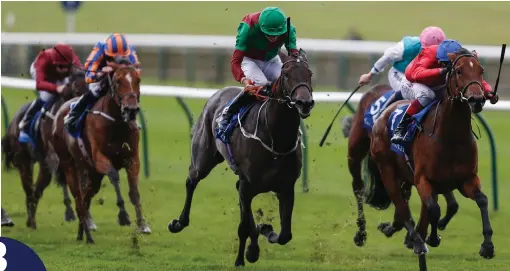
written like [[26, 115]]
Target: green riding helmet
[[273, 22]]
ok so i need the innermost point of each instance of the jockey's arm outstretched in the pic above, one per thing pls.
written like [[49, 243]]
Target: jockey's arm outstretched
[[96, 71], [427, 74], [399, 56], [255, 61], [50, 70]]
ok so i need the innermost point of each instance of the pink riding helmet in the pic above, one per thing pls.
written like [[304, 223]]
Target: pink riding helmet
[[432, 35]]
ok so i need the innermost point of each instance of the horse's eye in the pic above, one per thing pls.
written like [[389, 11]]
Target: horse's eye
[[458, 72]]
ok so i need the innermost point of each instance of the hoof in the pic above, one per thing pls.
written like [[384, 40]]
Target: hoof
[[31, 225], [252, 253], [90, 241], [441, 225], [265, 229], [175, 226], [239, 263], [92, 225], [7, 223], [69, 215], [386, 228], [144, 229], [123, 218], [434, 242], [360, 238], [487, 251], [420, 249]]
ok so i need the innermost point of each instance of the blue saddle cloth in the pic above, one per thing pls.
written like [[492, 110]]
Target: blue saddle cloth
[[394, 120], [33, 130], [224, 136], [81, 120]]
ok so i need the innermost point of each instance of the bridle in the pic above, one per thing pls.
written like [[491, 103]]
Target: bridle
[[287, 94], [113, 85], [454, 72]]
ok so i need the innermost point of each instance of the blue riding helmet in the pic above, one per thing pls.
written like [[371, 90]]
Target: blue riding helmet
[[447, 47]]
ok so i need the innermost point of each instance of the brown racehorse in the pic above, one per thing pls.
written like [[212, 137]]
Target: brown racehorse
[[23, 156], [359, 140], [445, 155], [108, 143]]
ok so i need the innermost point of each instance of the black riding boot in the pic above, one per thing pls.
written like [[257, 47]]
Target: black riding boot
[[401, 130], [24, 125], [74, 114], [228, 112]]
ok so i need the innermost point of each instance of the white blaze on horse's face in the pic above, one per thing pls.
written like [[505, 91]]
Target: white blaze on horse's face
[[130, 81]]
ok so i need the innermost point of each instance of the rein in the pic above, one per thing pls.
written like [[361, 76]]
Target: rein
[[451, 73], [287, 95]]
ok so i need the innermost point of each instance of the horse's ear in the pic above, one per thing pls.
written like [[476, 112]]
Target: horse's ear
[[113, 65], [452, 57], [475, 54], [302, 55]]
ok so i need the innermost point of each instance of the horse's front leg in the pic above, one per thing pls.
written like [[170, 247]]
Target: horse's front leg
[[247, 227], [104, 166], [451, 209], [430, 213], [133, 170], [286, 202], [473, 191]]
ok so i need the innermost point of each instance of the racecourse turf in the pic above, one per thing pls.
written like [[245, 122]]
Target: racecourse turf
[[324, 219], [470, 22], [323, 225]]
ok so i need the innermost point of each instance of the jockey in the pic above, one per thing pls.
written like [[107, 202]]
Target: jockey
[[400, 55], [255, 61], [114, 49], [426, 73], [50, 70]]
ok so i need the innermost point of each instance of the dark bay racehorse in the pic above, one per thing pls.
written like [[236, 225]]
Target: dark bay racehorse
[[265, 152], [108, 142], [444, 154], [23, 156], [359, 140]]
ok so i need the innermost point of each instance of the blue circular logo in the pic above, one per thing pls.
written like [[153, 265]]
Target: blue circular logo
[[15, 256]]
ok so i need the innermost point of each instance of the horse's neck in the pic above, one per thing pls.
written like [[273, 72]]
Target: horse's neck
[[454, 124], [283, 123]]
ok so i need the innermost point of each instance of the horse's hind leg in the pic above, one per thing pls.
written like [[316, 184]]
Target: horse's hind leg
[[358, 148], [204, 157], [473, 191], [247, 227], [43, 180], [286, 203], [25, 168], [451, 209]]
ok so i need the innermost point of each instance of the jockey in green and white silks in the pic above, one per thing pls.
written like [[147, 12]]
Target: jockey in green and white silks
[[255, 61], [400, 55]]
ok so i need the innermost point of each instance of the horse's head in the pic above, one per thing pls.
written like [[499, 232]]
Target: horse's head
[[295, 84], [76, 85], [465, 80], [125, 89]]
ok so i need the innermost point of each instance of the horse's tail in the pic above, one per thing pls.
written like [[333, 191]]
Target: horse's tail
[[7, 153], [375, 194]]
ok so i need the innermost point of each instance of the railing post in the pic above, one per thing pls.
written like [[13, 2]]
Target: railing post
[[5, 113], [304, 177], [494, 163], [219, 66], [343, 72], [190, 65], [145, 143]]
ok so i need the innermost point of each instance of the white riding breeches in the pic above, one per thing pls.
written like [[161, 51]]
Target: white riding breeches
[[262, 73], [44, 95], [412, 91], [395, 79]]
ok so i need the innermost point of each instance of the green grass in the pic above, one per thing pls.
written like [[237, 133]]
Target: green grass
[[470, 22], [323, 224]]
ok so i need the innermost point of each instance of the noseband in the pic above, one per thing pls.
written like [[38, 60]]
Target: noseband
[[113, 86], [453, 71], [287, 94]]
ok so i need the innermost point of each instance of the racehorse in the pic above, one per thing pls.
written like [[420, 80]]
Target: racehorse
[[442, 157], [264, 152], [23, 156], [107, 141], [359, 133]]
